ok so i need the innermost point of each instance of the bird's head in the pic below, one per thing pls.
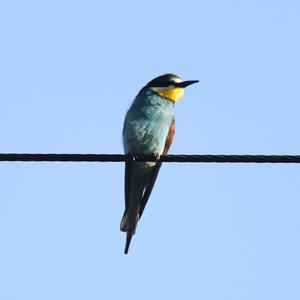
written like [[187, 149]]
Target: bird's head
[[169, 86]]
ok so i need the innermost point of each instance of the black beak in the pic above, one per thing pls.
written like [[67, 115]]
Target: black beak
[[186, 83]]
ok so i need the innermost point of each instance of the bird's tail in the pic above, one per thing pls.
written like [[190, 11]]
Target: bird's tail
[[129, 224], [128, 240]]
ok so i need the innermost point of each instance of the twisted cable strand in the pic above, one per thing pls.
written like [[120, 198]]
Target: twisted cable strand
[[182, 158]]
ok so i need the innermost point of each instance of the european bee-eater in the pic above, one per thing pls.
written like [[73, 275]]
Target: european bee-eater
[[149, 128]]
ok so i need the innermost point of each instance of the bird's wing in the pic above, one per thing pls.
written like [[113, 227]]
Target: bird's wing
[[170, 137], [153, 177], [128, 172]]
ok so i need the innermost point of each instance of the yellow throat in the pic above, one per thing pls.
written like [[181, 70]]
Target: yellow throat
[[171, 93]]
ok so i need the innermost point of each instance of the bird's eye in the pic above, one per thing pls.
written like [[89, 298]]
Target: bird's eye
[[166, 83]]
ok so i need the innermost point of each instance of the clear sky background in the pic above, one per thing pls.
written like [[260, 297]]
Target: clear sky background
[[69, 71]]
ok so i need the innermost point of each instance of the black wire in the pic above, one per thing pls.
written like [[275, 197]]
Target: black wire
[[168, 158]]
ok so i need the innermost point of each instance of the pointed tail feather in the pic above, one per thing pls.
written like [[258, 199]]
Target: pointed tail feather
[[128, 240], [128, 224]]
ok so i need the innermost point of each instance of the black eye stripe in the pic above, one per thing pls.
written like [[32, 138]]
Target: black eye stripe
[[165, 83], [162, 81]]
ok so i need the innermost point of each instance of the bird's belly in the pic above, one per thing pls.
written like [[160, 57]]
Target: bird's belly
[[146, 137]]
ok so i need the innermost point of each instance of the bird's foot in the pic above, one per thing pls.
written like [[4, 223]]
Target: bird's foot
[[157, 157], [133, 156]]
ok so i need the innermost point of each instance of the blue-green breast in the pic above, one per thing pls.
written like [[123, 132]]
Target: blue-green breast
[[147, 123]]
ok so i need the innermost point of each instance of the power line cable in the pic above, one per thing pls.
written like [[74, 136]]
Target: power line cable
[[182, 158]]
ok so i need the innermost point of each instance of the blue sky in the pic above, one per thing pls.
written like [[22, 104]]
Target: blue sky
[[69, 71]]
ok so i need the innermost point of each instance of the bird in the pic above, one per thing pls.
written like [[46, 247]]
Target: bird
[[149, 128]]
